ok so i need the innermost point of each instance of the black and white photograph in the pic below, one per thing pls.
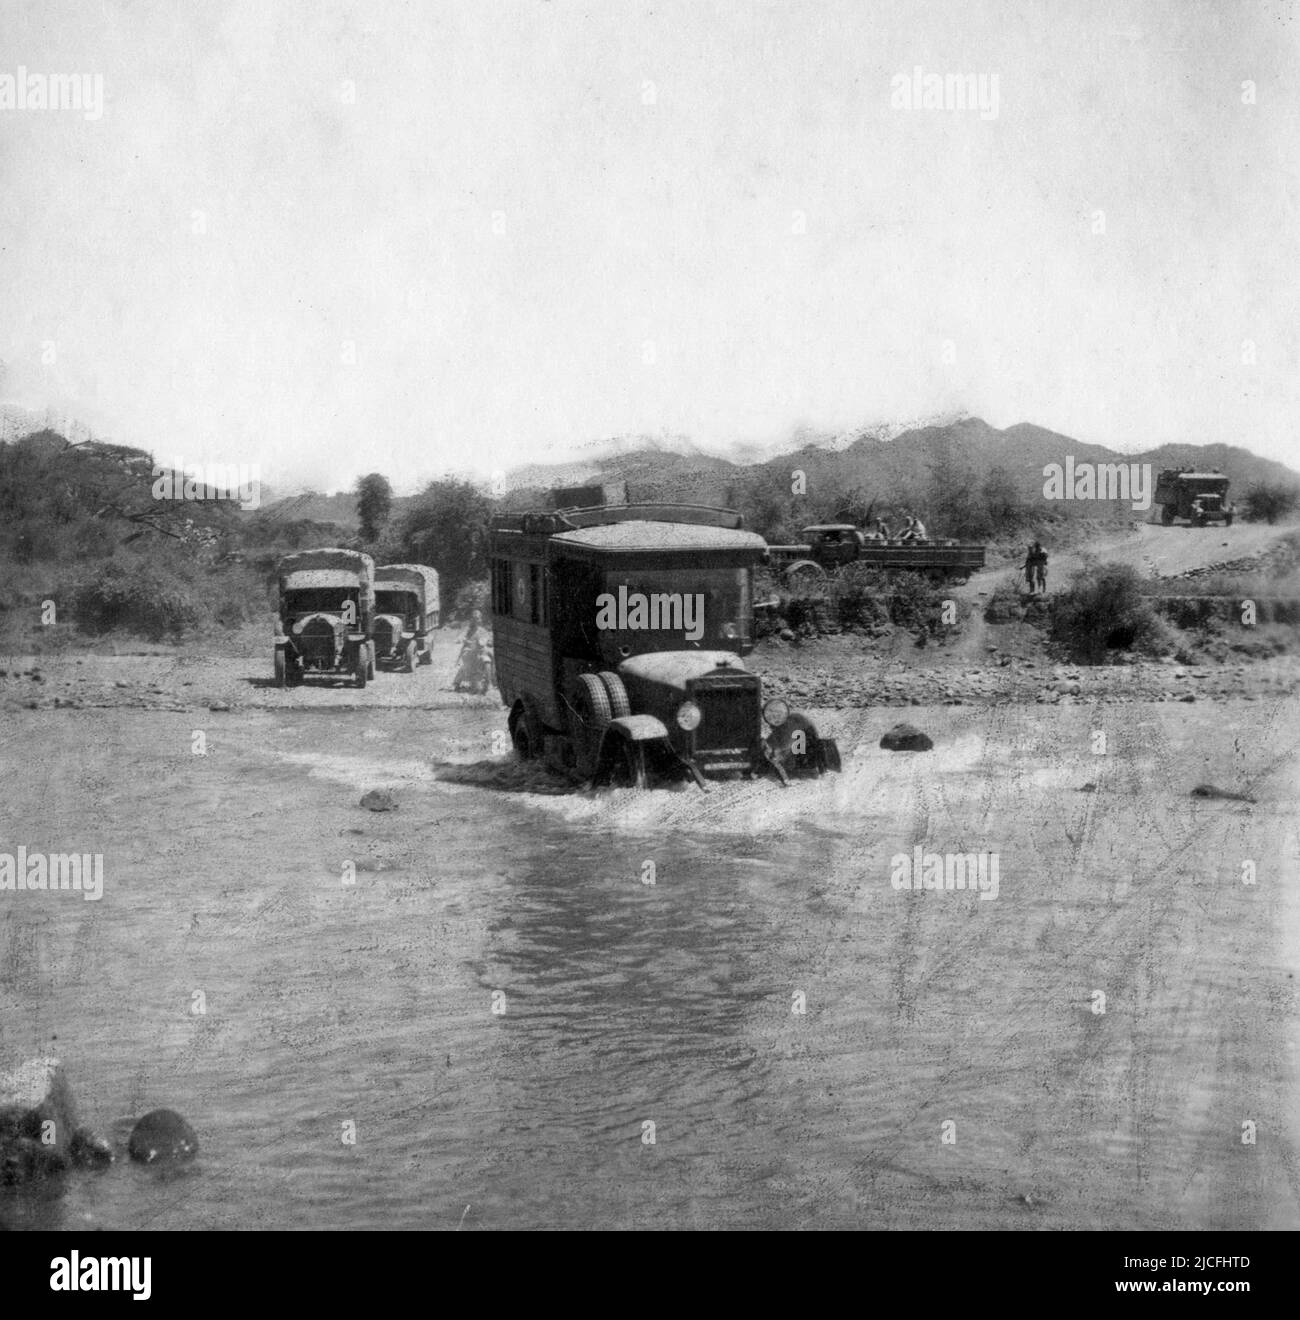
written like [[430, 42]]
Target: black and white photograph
[[677, 615]]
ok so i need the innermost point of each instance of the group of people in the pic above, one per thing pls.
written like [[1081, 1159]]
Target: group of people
[[1036, 567], [913, 530]]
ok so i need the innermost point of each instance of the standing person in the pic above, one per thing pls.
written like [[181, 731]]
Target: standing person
[[1036, 568], [473, 653]]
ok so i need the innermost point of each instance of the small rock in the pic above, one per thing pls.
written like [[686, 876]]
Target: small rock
[[1210, 791], [906, 738], [219, 705], [379, 799], [162, 1136]]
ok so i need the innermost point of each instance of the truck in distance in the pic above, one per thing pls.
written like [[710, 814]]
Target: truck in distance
[[620, 634], [1199, 497]]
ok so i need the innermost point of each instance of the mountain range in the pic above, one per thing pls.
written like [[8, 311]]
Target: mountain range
[[890, 462]]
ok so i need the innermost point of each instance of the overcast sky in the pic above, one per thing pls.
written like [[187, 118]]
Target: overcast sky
[[420, 237]]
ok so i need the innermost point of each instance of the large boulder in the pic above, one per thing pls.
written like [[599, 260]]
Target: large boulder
[[906, 738], [39, 1134]]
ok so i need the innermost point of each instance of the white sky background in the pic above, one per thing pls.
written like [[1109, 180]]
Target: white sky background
[[625, 222]]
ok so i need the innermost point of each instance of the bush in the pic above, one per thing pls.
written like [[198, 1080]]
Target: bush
[[472, 596], [861, 597], [137, 598], [1267, 502], [1103, 612]]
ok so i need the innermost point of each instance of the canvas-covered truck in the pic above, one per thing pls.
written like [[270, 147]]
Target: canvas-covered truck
[[407, 610], [1200, 498], [830, 546], [326, 604], [620, 635]]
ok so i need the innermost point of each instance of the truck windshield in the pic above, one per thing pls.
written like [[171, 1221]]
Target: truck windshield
[[654, 609]]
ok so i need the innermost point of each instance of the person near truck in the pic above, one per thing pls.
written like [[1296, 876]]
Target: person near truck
[[915, 529], [1036, 567]]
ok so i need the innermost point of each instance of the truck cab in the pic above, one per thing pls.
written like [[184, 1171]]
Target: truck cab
[[834, 544], [620, 634]]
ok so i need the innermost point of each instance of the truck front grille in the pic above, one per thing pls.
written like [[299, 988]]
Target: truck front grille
[[729, 709]]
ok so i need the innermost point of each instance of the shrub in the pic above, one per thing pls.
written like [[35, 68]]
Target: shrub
[[472, 596], [1103, 612], [135, 597], [1268, 501]]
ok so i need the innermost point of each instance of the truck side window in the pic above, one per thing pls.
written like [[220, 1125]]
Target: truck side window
[[501, 586], [536, 597]]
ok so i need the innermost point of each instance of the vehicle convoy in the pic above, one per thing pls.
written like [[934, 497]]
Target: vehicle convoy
[[326, 604], [620, 633], [407, 609], [831, 546], [1199, 497]]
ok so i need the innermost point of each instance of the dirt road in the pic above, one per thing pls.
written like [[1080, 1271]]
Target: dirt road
[[500, 1004]]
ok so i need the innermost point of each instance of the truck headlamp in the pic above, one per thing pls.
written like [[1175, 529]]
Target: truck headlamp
[[776, 712], [689, 716]]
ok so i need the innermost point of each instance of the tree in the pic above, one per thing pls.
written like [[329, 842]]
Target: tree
[[447, 528], [952, 500], [1267, 502], [374, 504], [1002, 500]]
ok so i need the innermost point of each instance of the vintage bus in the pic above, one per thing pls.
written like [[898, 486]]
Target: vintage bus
[[620, 633]]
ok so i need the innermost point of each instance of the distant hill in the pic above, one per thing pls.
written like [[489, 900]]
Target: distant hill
[[881, 466]]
